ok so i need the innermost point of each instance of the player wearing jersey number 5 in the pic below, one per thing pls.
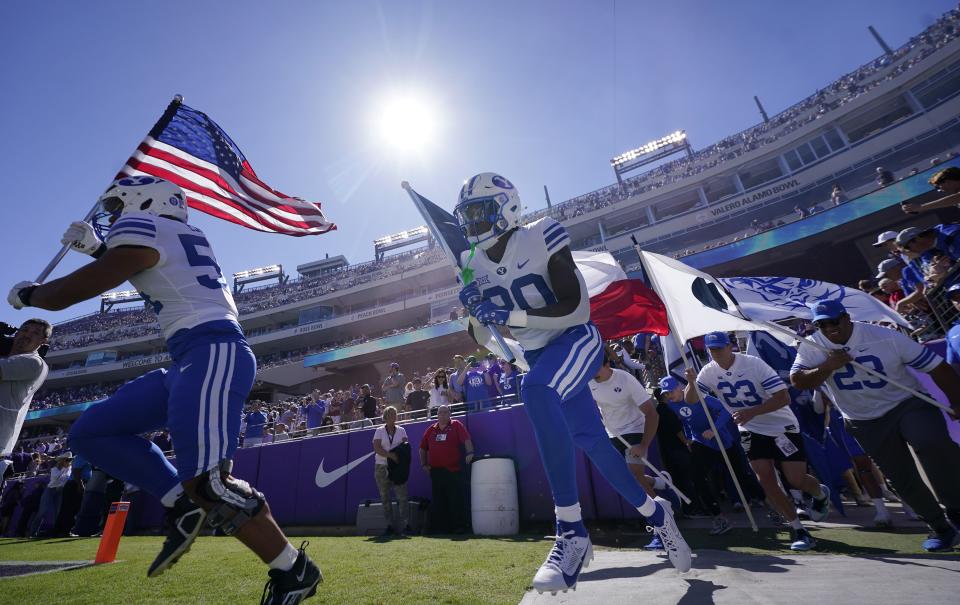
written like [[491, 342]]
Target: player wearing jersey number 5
[[757, 399], [525, 279], [200, 397], [884, 418]]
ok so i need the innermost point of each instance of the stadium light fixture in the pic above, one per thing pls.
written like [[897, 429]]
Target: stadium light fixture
[[258, 272], [674, 139]]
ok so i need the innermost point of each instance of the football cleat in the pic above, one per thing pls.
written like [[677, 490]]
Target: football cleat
[[945, 540], [572, 551], [184, 521], [802, 540], [720, 526], [654, 544], [819, 509], [293, 585], [677, 549]]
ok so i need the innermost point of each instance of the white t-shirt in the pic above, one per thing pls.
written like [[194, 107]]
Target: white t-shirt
[[386, 442], [858, 395], [747, 383], [619, 398], [438, 397]]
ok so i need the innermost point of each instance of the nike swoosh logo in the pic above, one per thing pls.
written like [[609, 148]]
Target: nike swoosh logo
[[184, 367], [323, 478], [303, 571], [523, 264]]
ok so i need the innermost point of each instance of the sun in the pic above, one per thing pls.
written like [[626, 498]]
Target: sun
[[407, 121]]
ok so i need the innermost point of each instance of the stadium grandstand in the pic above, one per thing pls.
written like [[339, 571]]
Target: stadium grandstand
[[758, 202]]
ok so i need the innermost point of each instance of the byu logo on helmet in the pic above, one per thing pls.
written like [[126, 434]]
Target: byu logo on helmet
[[144, 193], [488, 207]]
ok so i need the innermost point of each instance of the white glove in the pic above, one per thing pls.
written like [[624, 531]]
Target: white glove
[[81, 237], [14, 297]]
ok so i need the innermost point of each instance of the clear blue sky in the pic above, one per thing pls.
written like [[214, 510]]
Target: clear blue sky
[[543, 92]]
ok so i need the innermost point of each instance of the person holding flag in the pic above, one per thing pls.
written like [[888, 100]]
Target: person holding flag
[[756, 397], [525, 279], [886, 418], [200, 397]]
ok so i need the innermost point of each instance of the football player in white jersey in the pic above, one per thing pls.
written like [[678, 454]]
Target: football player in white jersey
[[525, 279], [884, 418], [758, 400], [199, 398]]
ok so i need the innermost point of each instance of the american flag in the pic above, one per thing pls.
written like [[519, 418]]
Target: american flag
[[188, 148]]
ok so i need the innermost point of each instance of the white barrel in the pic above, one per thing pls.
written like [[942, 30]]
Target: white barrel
[[493, 497]]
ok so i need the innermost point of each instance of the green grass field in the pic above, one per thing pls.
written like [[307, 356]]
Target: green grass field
[[364, 570]]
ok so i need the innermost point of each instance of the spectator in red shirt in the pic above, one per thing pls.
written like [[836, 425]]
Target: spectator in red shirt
[[892, 289], [440, 456]]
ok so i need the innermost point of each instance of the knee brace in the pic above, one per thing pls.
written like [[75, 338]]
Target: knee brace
[[234, 501]]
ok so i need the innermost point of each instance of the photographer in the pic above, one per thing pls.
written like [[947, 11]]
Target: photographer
[[22, 371]]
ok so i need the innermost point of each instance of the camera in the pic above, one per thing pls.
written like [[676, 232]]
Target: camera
[[7, 333]]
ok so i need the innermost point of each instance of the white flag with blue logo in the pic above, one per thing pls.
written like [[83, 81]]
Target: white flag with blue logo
[[779, 298]]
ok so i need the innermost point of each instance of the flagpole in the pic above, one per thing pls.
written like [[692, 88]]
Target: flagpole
[[856, 364], [657, 472], [703, 403], [177, 100], [414, 196]]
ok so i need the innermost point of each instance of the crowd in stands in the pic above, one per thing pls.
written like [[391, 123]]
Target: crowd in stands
[[833, 96]]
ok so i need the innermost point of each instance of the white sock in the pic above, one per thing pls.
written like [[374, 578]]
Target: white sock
[[647, 508], [569, 514], [286, 558], [659, 483], [880, 506], [795, 524], [170, 497]]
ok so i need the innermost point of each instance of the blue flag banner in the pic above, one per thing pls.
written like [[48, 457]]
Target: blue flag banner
[[443, 226]]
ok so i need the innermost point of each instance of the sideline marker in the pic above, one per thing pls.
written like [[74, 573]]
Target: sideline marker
[[112, 531]]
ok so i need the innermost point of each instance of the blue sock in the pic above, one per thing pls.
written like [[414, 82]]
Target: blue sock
[[553, 440], [583, 418]]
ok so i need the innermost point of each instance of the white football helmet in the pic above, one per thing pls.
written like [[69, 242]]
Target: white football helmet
[[144, 193], [488, 207]]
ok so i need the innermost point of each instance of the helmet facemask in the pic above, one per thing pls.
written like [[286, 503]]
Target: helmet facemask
[[481, 219]]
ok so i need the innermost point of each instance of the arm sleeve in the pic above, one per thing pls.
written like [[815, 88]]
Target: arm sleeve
[[770, 381], [703, 383], [555, 236], [807, 358], [462, 430], [137, 230], [721, 416], [915, 354], [21, 367], [630, 362], [425, 441], [637, 392]]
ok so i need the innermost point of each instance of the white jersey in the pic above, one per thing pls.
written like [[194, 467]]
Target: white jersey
[[521, 279], [858, 395], [749, 382], [619, 398], [186, 287]]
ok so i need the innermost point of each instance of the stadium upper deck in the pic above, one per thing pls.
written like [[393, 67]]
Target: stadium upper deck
[[897, 109]]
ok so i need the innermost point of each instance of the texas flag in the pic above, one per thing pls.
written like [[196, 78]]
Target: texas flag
[[619, 306]]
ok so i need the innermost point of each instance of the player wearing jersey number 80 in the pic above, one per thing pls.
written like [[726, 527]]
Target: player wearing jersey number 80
[[884, 418], [528, 281], [199, 398], [757, 399]]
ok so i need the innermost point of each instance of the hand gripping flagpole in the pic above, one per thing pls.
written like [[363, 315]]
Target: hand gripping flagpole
[[171, 109], [856, 364], [466, 274], [703, 403]]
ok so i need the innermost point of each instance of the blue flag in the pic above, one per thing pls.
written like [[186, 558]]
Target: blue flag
[[442, 226]]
